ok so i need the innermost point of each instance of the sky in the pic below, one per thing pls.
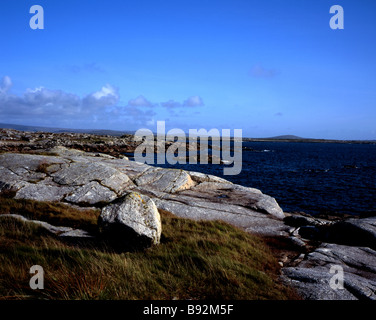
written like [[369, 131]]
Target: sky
[[267, 67]]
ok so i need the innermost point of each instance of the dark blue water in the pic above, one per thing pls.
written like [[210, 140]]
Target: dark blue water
[[316, 178]]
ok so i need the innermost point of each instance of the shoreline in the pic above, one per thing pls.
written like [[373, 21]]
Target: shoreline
[[116, 133], [305, 246], [12, 140]]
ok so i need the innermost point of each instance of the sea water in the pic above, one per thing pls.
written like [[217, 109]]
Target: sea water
[[315, 178]]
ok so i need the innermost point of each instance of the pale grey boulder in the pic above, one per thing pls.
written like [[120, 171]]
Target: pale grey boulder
[[268, 205], [132, 221]]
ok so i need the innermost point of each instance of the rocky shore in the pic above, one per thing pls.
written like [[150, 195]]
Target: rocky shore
[[91, 171], [20, 141]]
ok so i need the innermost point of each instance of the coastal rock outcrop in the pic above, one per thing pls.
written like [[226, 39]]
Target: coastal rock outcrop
[[130, 194], [312, 276], [362, 231], [347, 246], [85, 179], [132, 221]]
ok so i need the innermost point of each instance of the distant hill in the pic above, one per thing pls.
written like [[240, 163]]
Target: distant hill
[[115, 133], [293, 138], [287, 137], [61, 130]]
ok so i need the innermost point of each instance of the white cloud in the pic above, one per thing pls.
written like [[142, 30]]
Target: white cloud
[[57, 108], [106, 91], [41, 102], [140, 101], [53, 104], [106, 97]]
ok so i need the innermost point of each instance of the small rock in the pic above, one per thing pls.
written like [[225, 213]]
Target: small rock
[[297, 242]]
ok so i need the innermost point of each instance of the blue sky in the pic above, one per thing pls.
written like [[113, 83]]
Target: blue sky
[[266, 67]]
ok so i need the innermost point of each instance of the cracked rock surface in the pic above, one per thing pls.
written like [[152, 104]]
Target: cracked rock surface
[[312, 276], [85, 179], [346, 252]]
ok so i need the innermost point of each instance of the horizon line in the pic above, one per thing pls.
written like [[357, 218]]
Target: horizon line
[[36, 128]]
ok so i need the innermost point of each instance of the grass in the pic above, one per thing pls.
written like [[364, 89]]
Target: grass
[[56, 213], [195, 260]]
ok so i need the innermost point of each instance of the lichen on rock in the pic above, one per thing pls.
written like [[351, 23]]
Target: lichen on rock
[[132, 221]]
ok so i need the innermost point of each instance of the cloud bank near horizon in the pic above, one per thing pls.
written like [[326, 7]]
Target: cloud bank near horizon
[[44, 106]]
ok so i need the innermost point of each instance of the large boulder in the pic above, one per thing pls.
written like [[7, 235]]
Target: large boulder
[[131, 222]]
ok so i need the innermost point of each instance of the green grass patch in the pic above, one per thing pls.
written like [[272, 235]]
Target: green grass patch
[[195, 260]]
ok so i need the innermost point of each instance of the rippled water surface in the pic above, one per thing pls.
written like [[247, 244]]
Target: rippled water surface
[[311, 177]]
